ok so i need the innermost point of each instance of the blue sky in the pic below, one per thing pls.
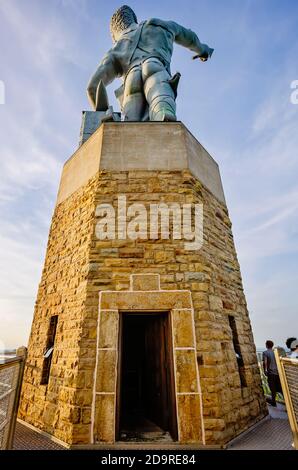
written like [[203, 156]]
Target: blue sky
[[237, 105]]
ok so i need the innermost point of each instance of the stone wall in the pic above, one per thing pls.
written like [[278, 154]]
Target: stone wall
[[78, 266], [64, 402]]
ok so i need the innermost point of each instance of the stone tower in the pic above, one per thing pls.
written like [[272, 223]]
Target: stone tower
[[121, 323]]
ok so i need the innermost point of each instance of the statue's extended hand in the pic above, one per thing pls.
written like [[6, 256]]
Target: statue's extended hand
[[205, 56]]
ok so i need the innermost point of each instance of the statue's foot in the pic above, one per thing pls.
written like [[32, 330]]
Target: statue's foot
[[164, 116], [163, 111], [168, 117]]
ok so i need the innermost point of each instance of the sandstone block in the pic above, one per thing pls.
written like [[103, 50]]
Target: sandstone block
[[183, 328]]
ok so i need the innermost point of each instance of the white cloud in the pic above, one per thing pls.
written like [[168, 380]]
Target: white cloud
[[45, 40], [29, 169], [20, 271], [16, 316], [265, 215]]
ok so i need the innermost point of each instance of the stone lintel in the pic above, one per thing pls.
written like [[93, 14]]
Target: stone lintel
[[146, 146], [158, 300]]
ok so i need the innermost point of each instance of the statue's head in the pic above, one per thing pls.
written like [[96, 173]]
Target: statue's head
[[121, 20]]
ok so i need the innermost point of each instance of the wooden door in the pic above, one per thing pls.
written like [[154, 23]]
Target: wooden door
[[155, 371], [154, 345], [159, 373]]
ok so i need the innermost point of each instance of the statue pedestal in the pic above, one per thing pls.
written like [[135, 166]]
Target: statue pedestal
[[191, 300], [91, 120]]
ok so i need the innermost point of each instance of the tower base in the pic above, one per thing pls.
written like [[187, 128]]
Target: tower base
[[127, 326]]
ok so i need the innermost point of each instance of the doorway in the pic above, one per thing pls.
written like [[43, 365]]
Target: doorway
[[146, 406]]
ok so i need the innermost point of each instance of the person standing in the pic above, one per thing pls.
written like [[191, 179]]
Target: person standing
[[292, 345], [294, 350], [270, 370]]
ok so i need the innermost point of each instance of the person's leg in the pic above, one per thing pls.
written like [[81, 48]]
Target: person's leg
[[158, 91], [134, 102], [278, 385], [272, 386]]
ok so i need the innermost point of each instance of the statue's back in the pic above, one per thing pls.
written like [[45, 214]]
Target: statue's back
[[155, 40]]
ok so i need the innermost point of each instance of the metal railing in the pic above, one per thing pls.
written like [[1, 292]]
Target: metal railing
[[288, 373], [11, 374]]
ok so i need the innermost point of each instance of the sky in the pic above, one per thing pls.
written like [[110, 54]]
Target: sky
[[238, 105]]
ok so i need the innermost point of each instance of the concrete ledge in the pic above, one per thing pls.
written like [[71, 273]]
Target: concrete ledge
[[124, 146]]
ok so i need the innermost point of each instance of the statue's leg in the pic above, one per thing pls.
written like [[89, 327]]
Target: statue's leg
[[134, 102], [158, 91]]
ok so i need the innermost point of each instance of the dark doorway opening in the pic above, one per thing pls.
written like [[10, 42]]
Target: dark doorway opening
[[146, 407]]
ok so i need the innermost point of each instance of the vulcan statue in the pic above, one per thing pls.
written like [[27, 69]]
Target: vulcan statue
[[141, 56]]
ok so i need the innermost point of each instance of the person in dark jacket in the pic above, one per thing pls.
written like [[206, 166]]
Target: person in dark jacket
[[289, 344], [270, 370], [292, 344]]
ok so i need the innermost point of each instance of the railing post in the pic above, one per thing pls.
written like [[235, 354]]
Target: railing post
[[21, 354], [281, 361]]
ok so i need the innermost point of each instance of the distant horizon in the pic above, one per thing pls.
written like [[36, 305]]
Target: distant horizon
[[238, 105], [258, 349]]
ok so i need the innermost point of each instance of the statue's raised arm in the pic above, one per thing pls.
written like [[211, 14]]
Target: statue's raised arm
[[187, 38], [141, 55]]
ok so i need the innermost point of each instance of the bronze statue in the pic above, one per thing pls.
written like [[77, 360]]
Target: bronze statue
[[141, 55]]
